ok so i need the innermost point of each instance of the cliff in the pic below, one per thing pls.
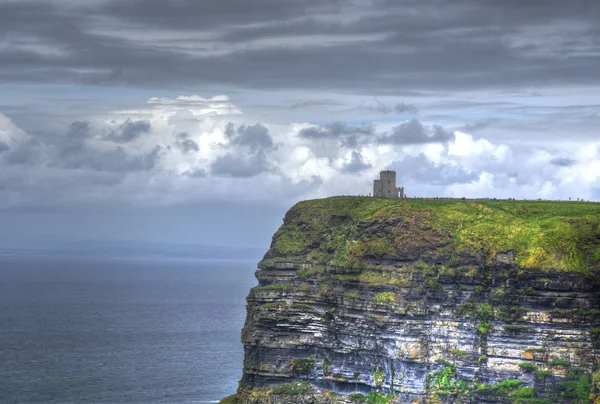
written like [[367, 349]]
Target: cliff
[[415, 301]]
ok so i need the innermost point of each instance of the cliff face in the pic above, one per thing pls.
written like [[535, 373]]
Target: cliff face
[[431, 301]]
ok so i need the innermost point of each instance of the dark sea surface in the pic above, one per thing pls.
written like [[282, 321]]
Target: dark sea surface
[[121, 330]]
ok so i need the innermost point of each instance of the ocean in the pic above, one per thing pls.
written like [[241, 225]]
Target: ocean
[[121, 330]]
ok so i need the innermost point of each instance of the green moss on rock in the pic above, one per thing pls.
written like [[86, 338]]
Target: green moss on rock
[[232, 399], [293, 389], [385, 297]]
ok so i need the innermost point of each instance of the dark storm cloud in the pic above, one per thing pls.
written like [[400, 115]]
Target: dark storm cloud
[[79, 130], [4, 147], [248, 152], [385, 47], [408, 133], [113, 160], [347, 135], [404, 108], [128, 131], [31, 152], [192, 14], [356, 164], [72, 151], [399, 108], [256, 137], [563, 161], [185, 144], [243, 166], [413, 132]]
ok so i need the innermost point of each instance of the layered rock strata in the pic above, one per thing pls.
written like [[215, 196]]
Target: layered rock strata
[[365, 299]]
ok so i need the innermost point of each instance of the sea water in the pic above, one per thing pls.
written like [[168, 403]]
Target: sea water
[[121, 330]]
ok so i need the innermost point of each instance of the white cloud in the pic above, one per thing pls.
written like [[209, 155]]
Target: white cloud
[[10, 134], [173, 161], [183, 108]]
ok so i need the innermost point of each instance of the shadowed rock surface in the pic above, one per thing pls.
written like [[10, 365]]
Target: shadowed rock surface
[[432, 301]]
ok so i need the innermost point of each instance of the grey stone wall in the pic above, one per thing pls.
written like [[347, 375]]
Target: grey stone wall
[[385, 186]]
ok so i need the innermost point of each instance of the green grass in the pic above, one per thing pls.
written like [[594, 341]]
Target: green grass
[[302, 365], [446, 382], [559, 362], [275, 286], [541, 374], [548, 236], [352, 295], [578, 385], [293, 389], [378, 376], [597, 254], [232, 399], [458, 352], [376, 397], [381, 278], [326, 366], [385, 297], [526, 366], [514, 392], [484, 327], [306, 273], [595, 333], [358, 398], [507, 386]]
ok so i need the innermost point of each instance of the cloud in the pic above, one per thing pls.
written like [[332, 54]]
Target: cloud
[[198, 173], [10, 134], [413, 132], [256, 137], [381, 108], [478, 125], [293, 68], [399, 108], [27, 153], [186, 144], [79, 130], [128, 131], [315, 103], [185, 158], [356, 163], [404, 108], [112, 160], [346, 135], [183, 108], [248, 153], [420, 169], [563, 161], [239, 166], [371, 47]]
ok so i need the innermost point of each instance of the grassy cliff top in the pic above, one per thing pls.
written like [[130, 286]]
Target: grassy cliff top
[[351, 230]]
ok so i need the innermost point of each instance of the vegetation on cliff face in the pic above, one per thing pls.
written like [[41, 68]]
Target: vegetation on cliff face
[[550, 236], [443, 301]]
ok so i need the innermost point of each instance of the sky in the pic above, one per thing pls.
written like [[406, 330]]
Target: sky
[[204, 121]]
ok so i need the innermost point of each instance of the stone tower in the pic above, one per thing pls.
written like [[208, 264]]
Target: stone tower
[[385, 186]]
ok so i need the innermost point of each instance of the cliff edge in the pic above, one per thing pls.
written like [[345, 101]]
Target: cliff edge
[[414, 301]]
